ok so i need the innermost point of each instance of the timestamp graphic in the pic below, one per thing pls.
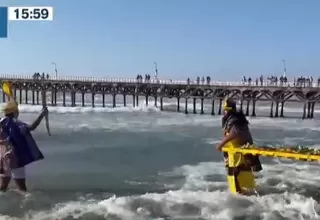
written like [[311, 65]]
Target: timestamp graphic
[[40, 13], [30, 13]]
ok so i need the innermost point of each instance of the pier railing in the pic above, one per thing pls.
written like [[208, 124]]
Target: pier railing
[[151, 81], [114, 80]]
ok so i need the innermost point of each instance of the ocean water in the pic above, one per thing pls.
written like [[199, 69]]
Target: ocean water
[[141, 163]]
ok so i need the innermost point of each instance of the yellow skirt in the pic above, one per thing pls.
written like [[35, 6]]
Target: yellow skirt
[[242, 182], [240, 176]]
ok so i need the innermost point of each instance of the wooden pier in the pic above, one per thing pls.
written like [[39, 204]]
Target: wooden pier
[[215, 92]]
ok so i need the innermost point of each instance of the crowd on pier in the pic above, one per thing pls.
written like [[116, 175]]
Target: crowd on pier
[[147, 78], [262, 81], [271, 80], [38, 76], [248, 81], [305, 81], [281, 81]]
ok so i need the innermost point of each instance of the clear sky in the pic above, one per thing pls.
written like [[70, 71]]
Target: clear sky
[[225, 39]]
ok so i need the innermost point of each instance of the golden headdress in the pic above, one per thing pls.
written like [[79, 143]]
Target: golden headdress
[[11, 107], [229, 104]]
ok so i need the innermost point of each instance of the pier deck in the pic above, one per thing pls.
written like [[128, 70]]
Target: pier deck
[[246, 94]]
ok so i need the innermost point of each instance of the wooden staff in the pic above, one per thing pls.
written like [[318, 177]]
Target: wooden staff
[[44, 106]]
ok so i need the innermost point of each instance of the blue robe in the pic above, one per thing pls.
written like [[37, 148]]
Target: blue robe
[[19, 136]]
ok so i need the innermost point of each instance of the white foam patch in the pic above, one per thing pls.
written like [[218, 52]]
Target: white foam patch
[[194, 200], [212, 141], [166, 103], [62, 110], [285, 109], [297, 173], [168, 119], [285, 124]]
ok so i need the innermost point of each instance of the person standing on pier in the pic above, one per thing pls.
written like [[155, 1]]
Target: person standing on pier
[[17, 146], [236, 134]]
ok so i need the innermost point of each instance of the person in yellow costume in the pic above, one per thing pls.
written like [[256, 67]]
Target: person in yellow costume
[[240, 168]]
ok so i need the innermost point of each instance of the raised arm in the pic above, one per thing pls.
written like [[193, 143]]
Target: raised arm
[[36, 123]]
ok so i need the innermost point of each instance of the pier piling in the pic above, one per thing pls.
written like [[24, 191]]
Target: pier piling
[[178, 104], [156, 101], [114, 101], [186, 106], [253, 114], [220, 106], [276, 115], [248, 107], [312, 109], [202, 111], [124, 100], [161, 103], [281, 110], [212, 107], [93, 100], [271, 110], [304, 111]]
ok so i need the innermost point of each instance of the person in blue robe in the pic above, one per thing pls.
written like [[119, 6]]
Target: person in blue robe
[[18, 148]]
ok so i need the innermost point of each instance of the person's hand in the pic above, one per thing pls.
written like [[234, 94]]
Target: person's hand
[[219, 147]]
